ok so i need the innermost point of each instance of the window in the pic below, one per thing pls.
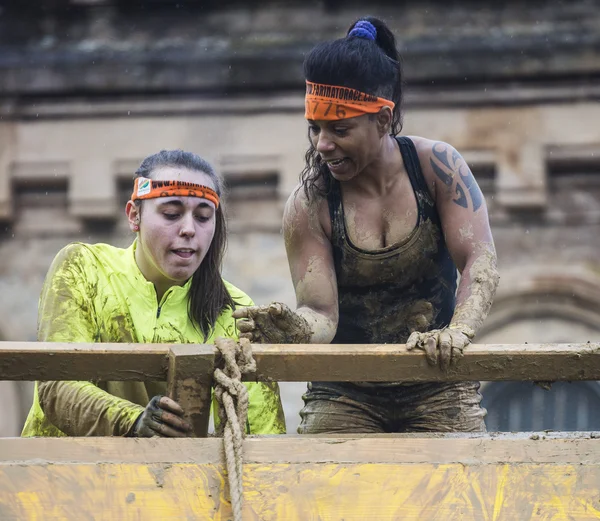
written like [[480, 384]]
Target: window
[[124, 190], [252, 186], [41, 206], [523, 406], [574, 184], [485, 175], [252, 200]]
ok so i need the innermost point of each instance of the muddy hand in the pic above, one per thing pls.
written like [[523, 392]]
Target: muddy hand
[[162, 417], [443, 346], [272, 324]]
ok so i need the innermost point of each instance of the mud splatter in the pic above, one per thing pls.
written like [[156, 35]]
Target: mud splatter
[[383, 294], [396, 228], [339, 407], [273, 324], [303, 215], [313, 277], [477, 292], [466, 232], [159, 472], [317, 285]]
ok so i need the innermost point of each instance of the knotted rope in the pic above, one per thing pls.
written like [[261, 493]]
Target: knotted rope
[[232, 396]]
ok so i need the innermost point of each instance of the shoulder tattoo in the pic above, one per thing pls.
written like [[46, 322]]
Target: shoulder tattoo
[[450, 168]]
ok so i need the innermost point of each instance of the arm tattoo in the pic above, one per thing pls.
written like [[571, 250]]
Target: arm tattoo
[[446, 169], [446, 179], [462, 198]]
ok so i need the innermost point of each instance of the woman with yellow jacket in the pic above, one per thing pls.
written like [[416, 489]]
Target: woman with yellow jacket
[[165, 288]]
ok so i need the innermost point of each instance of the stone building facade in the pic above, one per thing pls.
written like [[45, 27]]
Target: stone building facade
[[88, 88]]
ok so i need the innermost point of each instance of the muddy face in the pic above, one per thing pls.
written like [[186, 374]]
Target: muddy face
[[346, 146]]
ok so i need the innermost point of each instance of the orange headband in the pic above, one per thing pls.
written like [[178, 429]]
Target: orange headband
[[329, 103], [144, 188]]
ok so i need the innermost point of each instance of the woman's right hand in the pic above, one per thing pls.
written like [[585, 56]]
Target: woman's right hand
[[162, 417], [272, 324]]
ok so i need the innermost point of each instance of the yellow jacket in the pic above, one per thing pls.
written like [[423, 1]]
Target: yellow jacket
[[96, 293]]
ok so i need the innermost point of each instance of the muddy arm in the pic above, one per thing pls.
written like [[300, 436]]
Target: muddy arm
[[466, 228], [313, 275], [465, 224], [311, 264], [82, 409], [477, 288], [66, 315]]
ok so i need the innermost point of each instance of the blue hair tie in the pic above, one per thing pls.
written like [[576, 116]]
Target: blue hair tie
[[364, 29]]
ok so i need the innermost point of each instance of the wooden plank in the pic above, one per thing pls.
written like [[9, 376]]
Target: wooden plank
[[435, 448], [300, 362], [189, 383], [392, 363], [64, 361], [552, 479]]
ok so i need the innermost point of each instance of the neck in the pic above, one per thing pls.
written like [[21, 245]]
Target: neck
[[382, 173], [161, 289], [151, 274]]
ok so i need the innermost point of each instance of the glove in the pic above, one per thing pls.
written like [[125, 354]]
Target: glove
[[272, 324], [161, 417], [443, 345]]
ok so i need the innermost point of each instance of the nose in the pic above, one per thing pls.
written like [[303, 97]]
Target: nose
[[324, 144], [187, 226]]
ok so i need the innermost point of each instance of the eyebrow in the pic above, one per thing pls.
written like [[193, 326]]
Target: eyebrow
[[331, 123], [179, 203]]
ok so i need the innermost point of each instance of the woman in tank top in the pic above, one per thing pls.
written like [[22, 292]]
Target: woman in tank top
[[375, 234]]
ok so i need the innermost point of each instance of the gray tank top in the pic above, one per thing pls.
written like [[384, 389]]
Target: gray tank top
[[386, 294]]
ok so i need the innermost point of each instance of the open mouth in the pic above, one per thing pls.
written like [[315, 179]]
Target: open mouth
[[335, 162], [184, 253]]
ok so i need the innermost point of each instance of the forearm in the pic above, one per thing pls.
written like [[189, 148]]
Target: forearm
[[476, 290], [322, 326], [83, 409]]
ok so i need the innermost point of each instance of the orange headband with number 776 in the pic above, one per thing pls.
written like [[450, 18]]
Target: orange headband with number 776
[[145, 188], [330, 103]]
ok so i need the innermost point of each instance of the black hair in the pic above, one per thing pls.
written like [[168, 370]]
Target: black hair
[[357, 62], [208, 296]]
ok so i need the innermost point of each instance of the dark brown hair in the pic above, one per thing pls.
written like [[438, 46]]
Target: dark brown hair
[[208, 296]]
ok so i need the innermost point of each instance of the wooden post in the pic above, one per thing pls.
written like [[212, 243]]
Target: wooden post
[[189, 383]]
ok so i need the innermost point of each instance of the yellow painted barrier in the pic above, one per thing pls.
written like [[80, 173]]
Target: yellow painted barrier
[[445, 478]]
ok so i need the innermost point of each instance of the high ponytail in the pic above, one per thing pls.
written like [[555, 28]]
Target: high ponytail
[[386, 41], [384, 38]]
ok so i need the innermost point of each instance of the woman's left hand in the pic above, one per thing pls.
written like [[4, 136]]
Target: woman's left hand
[[442, 345]]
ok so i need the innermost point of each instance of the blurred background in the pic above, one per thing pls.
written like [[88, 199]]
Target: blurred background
[[88, 88]]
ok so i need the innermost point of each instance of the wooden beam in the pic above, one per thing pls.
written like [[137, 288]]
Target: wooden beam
[[300, 362], [435, 448], [430, 478], [64, 361], [392, 363], [189, 383]]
